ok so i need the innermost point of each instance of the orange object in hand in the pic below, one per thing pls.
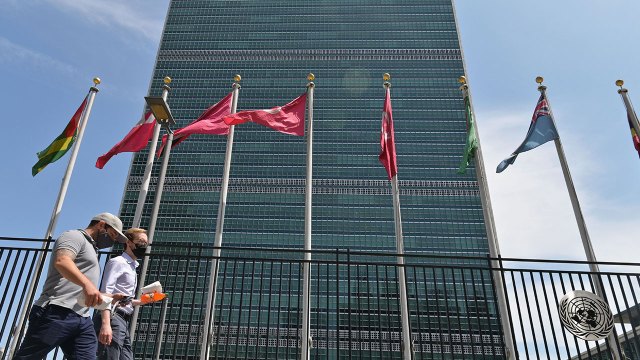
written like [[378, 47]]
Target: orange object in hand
[[152, 297]]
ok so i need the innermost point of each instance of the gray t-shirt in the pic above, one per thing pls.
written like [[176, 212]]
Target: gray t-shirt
[[60, 291]]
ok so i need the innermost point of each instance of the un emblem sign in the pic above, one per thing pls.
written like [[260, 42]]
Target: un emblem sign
[[585, 315]]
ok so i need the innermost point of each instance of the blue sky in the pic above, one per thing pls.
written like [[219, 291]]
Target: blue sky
[[51, 49]]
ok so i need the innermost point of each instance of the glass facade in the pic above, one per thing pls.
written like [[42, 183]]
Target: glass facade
[[348, 45]]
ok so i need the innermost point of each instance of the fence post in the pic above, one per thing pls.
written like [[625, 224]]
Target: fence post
[[163, 316]]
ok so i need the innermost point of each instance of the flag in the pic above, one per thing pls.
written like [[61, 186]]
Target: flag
[[209, 122], [136, 140], [541, 130], [288, 119], [387, 139], [61, 144], [472, 141], [634, 135]]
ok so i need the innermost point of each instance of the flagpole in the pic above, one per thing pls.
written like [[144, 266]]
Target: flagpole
[[146, 178], [217, 243], [582, 227], [153, 219], [54, 216], [627, 103], [494, 247], [306, 288], [402, 283]]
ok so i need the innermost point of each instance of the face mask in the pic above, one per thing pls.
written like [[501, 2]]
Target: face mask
[[104, 240], [139, 251]]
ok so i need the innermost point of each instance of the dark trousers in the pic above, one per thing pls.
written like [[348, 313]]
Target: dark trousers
[[120, 347], [54, 326]]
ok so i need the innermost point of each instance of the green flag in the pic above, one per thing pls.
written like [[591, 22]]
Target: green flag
[[61, 144], [472, 141]]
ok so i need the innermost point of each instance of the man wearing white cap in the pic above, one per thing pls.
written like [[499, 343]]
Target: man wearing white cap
[[56, 318]]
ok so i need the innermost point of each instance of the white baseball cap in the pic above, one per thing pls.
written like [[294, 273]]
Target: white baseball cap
[[114, 222]]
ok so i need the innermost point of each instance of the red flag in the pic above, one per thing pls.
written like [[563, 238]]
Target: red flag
[[288, 119], [210, 123], [134, 141], [634, 136], [387, 143]]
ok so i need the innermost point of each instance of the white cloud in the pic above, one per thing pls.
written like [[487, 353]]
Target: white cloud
[[532, 208], [14, 53], [116, 13]]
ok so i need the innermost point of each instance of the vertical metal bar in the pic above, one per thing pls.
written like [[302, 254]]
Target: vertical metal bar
[[379, 306], [402, 283], [181, 300], [201, 259], [290, 324], [163, 316], [306, 311], [369, 313], [564, 291], [488, 314], [506, 294], [515, 293], [539, 311], [328, 299], [240, 308], [359, 313], [418, 321], [349, 321], [222, 297], [390, 326], [318, 313], [253, 279], [469, 323], [278, 323], [258, 323], [529, 315], [546, 301], [618, 310], [440, 315], [635, 309], [152, 229], [429, 311], [267, 347], [338, 304], [217, 241], [459, 319], [231, 299], [446, 297]]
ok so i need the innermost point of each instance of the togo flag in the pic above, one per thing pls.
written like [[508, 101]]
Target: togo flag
[[61, 144]]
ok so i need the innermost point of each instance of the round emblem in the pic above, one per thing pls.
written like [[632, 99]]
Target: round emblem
[[585, 315]]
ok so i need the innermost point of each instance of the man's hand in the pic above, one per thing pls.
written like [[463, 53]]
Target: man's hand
[[92, 295], [117, 297], [105, 335]]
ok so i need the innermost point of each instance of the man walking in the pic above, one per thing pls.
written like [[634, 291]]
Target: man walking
[[56, 318], [112, 326]]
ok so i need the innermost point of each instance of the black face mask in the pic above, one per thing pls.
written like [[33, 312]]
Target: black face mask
[[104, 240], [139, 251]]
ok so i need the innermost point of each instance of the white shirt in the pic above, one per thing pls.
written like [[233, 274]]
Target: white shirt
[[120, 278]]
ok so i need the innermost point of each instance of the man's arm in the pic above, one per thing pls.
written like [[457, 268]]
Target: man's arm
[[106, 334], [64, 263]]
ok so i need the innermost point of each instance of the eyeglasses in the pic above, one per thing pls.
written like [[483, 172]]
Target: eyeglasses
[[139, 245]]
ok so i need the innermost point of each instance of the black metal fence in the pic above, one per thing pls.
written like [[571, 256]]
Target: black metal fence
[[355, 309]]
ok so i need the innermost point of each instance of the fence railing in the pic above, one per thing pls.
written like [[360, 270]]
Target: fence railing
[[355, 309]]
